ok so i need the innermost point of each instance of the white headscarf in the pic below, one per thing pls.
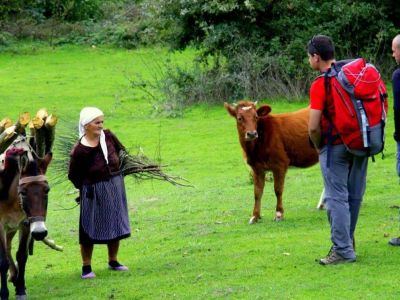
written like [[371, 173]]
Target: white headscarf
[[87, 115]]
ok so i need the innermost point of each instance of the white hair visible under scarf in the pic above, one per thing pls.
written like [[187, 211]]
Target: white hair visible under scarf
[[87, 115]]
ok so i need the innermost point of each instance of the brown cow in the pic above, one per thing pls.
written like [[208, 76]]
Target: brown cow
[[272, 142]]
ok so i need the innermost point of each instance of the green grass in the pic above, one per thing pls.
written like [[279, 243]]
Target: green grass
[[193, 243]]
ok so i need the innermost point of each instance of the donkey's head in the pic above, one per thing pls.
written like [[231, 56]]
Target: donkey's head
[[33, 190]]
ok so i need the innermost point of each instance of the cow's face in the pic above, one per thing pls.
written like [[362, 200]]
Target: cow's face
[[247, 115]]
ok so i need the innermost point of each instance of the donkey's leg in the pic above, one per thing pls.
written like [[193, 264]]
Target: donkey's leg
[[12, 269], [22, 257], [259, 182], [3, 264]]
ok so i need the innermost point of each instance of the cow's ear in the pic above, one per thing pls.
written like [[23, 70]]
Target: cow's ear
[[231, 109], [263, 111]]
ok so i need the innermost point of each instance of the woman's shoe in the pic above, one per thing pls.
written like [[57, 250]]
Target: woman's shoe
[[88, 275], [116, 266], [87, 272]]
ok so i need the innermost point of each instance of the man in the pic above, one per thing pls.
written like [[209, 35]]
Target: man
[[343, 194], [396, 108]]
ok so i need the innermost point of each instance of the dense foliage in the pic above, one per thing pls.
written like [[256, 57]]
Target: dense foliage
[[69, 10], [264, 40], [257, 47], [120, 23], [281, 26]]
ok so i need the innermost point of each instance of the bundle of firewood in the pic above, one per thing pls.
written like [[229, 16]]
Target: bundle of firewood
[[10, 131], [42, 128]]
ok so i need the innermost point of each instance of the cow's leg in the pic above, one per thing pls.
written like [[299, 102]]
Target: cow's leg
[[259, 182], [279, 181], [3, 265], [321, 203], [22, 257]]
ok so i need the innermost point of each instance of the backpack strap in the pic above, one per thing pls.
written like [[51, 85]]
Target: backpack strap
[[362, 117], [383, 96], [333, 71], [329, 134]]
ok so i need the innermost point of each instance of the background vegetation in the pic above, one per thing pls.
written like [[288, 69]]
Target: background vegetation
[[246, 49], [192, 243]]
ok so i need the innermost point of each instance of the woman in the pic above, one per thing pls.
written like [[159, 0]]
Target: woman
[[94, 170]]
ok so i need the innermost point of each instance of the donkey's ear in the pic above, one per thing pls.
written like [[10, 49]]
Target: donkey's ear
[[45, 161], [23, 160], [231, 109], [263, 111]]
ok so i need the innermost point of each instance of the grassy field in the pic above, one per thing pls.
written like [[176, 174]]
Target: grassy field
[[193, 243]]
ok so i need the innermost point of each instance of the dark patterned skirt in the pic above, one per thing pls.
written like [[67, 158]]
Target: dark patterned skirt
[[104, 212]]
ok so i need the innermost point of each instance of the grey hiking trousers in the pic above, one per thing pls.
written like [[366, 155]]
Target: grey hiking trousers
[[344, 181]]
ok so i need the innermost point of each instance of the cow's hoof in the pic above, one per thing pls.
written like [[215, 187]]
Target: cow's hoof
[[253, 220], [278, 217]]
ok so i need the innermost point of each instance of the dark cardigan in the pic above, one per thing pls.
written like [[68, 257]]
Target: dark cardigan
[[88, 165]]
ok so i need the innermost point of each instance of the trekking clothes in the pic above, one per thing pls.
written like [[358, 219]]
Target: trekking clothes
[[343, 195]]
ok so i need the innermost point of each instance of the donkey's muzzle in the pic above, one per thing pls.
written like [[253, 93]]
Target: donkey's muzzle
[[38, 230]]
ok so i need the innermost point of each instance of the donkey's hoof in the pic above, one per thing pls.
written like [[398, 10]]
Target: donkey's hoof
[[21, 297]]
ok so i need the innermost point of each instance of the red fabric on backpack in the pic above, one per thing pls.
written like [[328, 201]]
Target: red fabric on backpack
[[365, 82], [364, 78]]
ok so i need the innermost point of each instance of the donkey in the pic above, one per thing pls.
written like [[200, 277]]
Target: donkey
[[23, 207]]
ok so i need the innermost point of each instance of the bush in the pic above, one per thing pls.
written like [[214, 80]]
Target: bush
[[279, 30], [249, 75], [120, 23], [5, 38]]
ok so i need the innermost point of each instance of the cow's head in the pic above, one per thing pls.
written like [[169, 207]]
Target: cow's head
[[247, 116]]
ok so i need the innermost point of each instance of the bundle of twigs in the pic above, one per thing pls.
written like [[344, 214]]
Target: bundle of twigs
[[139, 166], [142, 168]]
